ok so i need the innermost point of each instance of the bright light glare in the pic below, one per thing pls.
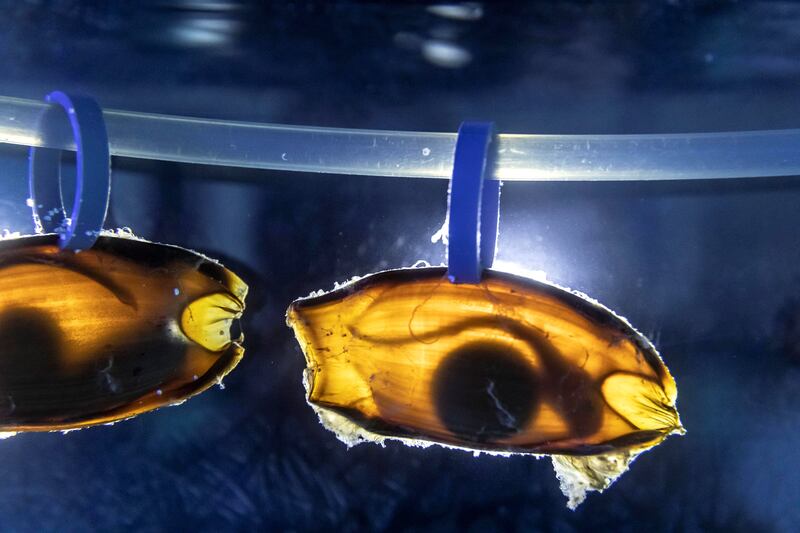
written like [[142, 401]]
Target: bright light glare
[[463, 11], [445, 54], [516, 269]]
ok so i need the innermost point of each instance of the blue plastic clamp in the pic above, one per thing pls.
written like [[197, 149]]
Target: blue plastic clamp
[[93, 177], [474, 205]]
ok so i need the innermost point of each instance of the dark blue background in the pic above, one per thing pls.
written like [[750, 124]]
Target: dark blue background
[[710, 270]]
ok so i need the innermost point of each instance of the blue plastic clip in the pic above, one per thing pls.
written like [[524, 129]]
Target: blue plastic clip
[[79, 231], [474, 205]]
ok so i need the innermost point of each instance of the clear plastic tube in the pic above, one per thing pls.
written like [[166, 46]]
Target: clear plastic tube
[[424, 155]]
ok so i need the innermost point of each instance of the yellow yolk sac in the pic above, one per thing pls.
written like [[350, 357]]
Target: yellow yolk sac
[[111, 332], [508, 365]]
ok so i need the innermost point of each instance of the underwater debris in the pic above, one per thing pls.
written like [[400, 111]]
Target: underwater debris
[[508, 365], [102, 335]]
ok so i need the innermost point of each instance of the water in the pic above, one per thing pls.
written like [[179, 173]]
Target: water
[[710, 271]]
